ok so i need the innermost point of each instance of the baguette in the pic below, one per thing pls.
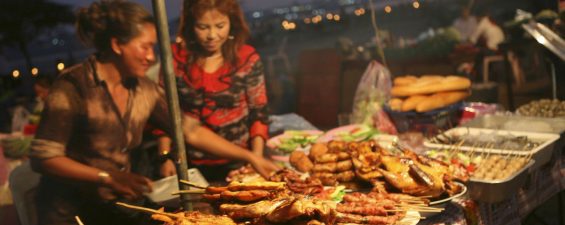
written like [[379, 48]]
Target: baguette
[[411, 102], [431, 77], [432, 85], [395, 104], [441, 100], [405, 80]]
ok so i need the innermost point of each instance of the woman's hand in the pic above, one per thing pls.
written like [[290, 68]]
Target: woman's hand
[[263, 166], [168, 169], [129, 185]]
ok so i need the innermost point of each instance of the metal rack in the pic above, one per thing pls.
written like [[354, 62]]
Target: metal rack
[[546, 37]]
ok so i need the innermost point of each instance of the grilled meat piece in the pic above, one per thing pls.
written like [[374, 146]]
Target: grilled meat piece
[[300, 161], [194, 218], [362, 209], [343, 156], [303, 207], [318, 150], [326, 158], [215, 190], [329, 167], [345, 176], [255, 210], [245, 196], [359, 219], [337, 146], [263, 185], [328, 179], [344, 166]]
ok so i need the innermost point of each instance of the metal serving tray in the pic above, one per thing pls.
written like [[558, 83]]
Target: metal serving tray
[[513, 123], [522, 123], [541, 154], [492, 191]]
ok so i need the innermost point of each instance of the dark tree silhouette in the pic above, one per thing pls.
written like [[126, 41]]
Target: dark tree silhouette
[[21, 21]]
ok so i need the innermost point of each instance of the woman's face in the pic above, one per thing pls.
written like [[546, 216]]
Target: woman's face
[[212, 30], [138, 54]]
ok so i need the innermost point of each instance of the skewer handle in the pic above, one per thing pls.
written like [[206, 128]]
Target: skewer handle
[[192, 184]]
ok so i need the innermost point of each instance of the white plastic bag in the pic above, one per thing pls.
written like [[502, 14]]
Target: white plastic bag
[[19, 119], [372, 92]]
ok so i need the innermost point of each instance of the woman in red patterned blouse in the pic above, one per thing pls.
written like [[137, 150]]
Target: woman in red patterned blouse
[[220, 81]]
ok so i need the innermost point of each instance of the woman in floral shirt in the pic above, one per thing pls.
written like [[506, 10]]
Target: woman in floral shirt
[[221, 80]]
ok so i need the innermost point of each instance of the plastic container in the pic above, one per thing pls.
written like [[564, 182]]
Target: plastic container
[[430, 123], [163, 189], [541, 154]]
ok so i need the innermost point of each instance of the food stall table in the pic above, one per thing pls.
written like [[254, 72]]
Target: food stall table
[[541, 185]]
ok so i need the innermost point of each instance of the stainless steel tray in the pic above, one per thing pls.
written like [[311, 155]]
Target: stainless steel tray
[[541, 154], [498, 190], [522, 123], [514, 123]]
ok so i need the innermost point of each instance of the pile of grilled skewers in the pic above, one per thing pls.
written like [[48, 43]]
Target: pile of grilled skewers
[[265, 203], [290, 197], [273, 203], [387, 171], [379, 208], [269, 202], [182, 218]]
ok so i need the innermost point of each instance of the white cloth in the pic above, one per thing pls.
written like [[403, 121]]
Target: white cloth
[[492, 34], [465, 26]]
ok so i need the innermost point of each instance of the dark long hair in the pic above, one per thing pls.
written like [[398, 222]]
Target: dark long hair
[[193, 9], [100, 22]]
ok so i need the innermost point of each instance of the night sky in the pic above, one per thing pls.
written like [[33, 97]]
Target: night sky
[[174, 6]]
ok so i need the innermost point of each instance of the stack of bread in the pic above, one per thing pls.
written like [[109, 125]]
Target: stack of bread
[[331, 163], [428, 92]]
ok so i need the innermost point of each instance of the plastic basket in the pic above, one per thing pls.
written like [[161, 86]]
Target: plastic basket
[[429, 123]]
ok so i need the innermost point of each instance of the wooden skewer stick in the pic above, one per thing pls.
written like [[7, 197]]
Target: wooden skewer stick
[[423, 197], [148, 210], [404, 197], [413, 217], [78, 220], [416, 206], [188, 192], [407, 200], [404, 210], [411, 205], [192, 184], [420, 209]]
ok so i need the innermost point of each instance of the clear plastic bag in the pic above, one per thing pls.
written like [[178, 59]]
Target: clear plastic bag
[[372, 92], [20, 119]]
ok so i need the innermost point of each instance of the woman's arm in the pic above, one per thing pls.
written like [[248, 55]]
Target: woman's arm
[[206, 140], [202, 138], [256, 96], [258, 145], [65, 167], [164, 148], [126, 184]]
